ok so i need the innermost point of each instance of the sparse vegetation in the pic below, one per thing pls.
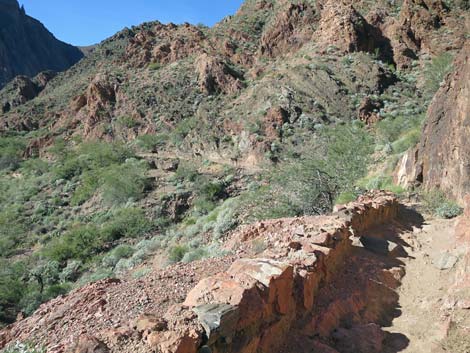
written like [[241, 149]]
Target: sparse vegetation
[[436, 203], [436, 71]]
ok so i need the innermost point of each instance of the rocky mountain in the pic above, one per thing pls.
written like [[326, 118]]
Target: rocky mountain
[[27, 47], [173, 191]]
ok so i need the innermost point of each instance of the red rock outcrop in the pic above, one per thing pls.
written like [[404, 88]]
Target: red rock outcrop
[[342, 27], [368, 111], [164, 44], [254, 305], [216, 76], [442, 158], [290, 29]]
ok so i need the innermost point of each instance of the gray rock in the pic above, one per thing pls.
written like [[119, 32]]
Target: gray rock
[[445, 261], [379, 246], [218, 320]]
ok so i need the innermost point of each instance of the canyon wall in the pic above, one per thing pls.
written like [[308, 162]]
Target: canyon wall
[[442, 158]]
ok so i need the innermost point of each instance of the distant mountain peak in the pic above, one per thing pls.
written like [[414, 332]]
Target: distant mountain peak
[[27, 47]]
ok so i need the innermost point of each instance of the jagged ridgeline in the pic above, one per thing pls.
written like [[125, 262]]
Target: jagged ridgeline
[[165, 137]]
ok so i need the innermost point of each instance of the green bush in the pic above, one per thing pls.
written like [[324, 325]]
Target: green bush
[[114, 256], [127, 223], [152, 142], [80, 243], [449, 210], [11, 150], [176, 253], [125, 182], [309, 185], [12, 289], [436, 203]]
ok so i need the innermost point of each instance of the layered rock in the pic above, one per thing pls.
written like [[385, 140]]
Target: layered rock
[[289, 30], [442, 158], [27, 47], [257, 302]]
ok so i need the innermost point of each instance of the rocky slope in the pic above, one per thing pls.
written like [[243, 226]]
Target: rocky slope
[[27, 47], [305, 284]]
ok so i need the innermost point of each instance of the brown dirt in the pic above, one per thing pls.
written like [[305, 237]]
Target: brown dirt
[[423, 322]]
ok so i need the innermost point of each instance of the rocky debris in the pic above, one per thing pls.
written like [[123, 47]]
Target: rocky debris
[[443, 154], [289, 30], [126, 315], [89, 344], [368, 111], [275, 118], [163, 44], [445, 261], [216, 76]]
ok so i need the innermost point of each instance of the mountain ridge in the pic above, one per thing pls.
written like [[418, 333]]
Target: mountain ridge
[[27, 47]]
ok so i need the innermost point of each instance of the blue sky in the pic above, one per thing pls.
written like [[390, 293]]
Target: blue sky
[[85, 22]]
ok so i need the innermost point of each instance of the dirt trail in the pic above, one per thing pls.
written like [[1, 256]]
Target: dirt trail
[[422, 326]]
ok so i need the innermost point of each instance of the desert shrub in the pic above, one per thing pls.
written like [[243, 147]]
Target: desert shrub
[[183, 128], [21, 347], [194, 255], [380, 182], [142, 272], [12, 289], [125, 182], [154, 66], [392, 129], [127, 121], [346, 197], [436, 203], [176, 253], [114, 256], [152, 142], [309, 184], [449, 210], [226, 220], [98, 275], [186, 172], [11, 150], [79, 243], [436, 71], [71, 272], [12, 229], [90, 156], [129, 222], [45, 273]]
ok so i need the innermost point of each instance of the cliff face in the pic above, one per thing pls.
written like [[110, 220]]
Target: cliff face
[[442, 158], [27, 47]]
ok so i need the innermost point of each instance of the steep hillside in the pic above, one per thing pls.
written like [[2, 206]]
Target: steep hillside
[[27, 47], [165, 138]]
